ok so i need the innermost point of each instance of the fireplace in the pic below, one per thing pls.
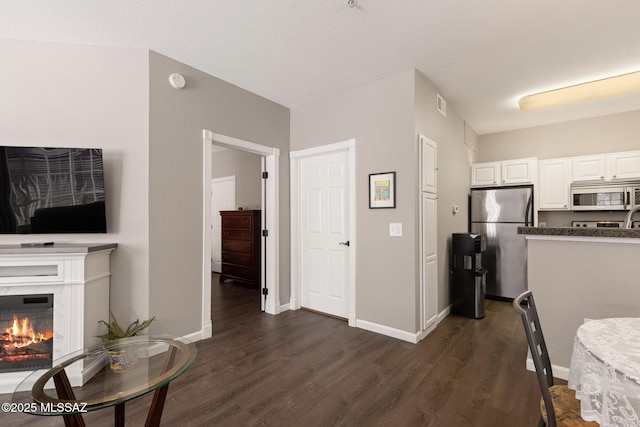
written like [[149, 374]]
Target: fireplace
[[26, 332], [74, 281]]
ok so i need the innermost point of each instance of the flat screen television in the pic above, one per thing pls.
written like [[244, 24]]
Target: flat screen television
[[51, 190]]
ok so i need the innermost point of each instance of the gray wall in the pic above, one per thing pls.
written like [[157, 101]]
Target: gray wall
[[247, 168], [96, 97], [454, 174], [151, 135], [383, 117], [617, 132], [177, 118], [574, 280], [380, 117]]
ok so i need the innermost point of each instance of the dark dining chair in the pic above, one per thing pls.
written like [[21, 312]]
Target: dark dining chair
[[558, 405]]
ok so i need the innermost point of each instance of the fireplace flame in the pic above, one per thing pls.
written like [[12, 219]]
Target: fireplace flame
[[21, 334]]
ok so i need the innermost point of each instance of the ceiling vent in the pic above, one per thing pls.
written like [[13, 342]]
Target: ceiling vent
[[441, 105]]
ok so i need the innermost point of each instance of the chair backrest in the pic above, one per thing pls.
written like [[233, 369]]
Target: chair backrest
[[525, 305]]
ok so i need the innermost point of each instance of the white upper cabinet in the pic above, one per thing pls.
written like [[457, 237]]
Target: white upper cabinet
[[625, 165], [519, 171], [508, 172], [589, 168], [607, 167], [486, 174], [429, 153], [554, 179]]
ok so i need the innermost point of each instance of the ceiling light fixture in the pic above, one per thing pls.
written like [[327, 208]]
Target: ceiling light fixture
[[352, 3], [612, 86]]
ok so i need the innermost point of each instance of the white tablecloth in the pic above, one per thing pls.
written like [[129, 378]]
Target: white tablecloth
[[605, 371]]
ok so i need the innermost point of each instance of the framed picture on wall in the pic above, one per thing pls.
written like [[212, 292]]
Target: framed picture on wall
[[382, 190]]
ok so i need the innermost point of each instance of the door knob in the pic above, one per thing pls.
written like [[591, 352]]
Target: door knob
[[345, 243]]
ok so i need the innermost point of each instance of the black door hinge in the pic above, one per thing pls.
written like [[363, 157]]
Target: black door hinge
[[265, 233], [265, 291], [265, 175]]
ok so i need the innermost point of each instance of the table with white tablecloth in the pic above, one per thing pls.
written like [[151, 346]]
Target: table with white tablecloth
[[605, 371]]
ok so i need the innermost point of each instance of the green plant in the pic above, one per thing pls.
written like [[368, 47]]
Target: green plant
[[116, 332]]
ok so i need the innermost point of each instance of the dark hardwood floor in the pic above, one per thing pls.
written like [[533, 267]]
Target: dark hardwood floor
[[304, 369]]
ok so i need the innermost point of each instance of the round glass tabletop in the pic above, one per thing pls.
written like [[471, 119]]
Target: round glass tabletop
[[105, 375]]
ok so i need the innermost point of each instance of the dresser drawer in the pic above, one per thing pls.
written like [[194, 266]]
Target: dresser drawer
[[236, 234], [237, 258], [237, 245], [238, 271], [241, 247], [237, 221]]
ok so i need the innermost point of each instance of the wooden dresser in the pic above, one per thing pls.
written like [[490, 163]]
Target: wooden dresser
[[241, 247]]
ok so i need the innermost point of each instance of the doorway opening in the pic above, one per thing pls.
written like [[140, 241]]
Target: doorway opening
[[223, 198], [269, 213]]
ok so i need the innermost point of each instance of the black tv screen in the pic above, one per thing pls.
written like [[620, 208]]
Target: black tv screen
[[51, 190]]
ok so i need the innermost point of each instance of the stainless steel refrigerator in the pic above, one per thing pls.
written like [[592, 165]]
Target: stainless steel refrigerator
[[497, 213]]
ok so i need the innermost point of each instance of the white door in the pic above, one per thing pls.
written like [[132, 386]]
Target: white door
[[429, 227], [519, 171], [485, 174], [624, 165], [223, 198], [323, 233], [554, 178], [429, 166], [589, 168], [430, 259]]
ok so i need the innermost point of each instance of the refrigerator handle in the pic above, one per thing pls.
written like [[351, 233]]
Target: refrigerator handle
[[627, 199], [529, 211]]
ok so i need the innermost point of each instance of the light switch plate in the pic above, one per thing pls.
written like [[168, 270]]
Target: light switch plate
[[395, 229]]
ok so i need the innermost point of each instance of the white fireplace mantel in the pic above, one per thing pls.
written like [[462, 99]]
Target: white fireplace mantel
[[78, 277]]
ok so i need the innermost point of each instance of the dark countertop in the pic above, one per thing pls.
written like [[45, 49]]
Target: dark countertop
[[581, 232], [68, 248]]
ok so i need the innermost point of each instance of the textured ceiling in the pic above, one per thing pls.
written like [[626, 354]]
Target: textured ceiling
[[481, 54]]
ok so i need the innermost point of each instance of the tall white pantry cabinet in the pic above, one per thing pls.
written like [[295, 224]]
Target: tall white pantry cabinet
[[429, 235]]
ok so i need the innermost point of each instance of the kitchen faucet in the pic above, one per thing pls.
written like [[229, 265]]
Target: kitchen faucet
[[627, 221]]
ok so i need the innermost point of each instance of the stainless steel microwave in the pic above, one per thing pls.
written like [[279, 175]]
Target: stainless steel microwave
[[605, 196]]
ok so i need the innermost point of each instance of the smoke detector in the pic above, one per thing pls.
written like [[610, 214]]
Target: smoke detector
[[352, 3]]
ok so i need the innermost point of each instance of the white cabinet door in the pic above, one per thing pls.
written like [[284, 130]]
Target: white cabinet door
[[486, 174], [429, 260], [589, 168], [519, 171], [554, 184], [508, 172], [429, 170], [624, 165]]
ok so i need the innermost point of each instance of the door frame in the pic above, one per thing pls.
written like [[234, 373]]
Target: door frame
[[270, 216], [348, 146]]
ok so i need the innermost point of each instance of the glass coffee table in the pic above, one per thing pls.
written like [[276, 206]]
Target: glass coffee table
[[107, 375]]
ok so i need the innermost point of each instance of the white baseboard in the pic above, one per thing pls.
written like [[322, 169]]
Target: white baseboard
[[412, 337], [207, 330], [388, 331], [558, 371], [284, 307], [205, 333], [444, 313], [351, 318], [439, 318]]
